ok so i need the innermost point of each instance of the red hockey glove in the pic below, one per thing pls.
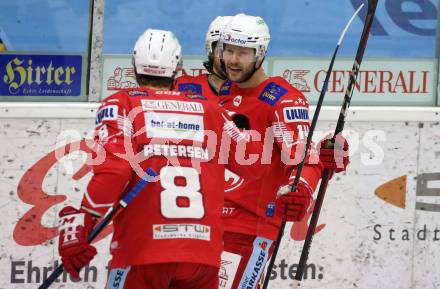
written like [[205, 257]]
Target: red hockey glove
[[334, 156], [73, 247], [292, 206]]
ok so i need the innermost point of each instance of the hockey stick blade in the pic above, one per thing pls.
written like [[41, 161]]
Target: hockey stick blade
[[372, 4], [308, 142], [149, 176]]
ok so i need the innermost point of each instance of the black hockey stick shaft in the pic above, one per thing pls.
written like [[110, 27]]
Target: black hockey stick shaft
[[311, 229], [372, 4], [111, 213], [308, 142]]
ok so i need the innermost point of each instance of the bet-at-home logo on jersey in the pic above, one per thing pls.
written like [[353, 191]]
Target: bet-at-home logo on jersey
[[174, 125]]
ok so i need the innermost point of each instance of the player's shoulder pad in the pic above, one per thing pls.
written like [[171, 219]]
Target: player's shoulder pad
[[173, 94], [225, 89], [184, 78], [292, 94], [109, 108], [186, 83], [190, 87], [115, 98], [295, 113], [272, 93], [293, 104]]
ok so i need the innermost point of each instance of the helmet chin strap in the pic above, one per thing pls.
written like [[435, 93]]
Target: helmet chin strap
[[209, 65]]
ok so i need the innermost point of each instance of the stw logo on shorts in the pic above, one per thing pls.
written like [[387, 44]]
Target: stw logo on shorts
[[296, 114], [68, 225], [109, 112], [181, 231]]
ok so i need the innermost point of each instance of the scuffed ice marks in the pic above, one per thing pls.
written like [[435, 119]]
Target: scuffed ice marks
[[39, 128], [432, 144]]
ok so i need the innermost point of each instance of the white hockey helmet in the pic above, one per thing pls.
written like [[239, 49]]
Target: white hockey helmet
[[247, 31], [157, 53], [214, 31]]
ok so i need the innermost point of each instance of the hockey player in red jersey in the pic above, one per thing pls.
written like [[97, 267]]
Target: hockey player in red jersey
[[279, 114], [171, 235], [209, 84]]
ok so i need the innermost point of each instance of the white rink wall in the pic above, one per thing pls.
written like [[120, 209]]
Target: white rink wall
[[363, 242]]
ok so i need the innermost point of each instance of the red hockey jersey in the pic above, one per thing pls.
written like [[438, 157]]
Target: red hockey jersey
[[179, 135], [279, 114]]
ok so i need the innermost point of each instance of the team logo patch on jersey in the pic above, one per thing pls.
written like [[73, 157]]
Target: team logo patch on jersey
[[237, 100], [190, 87], [172, 105], [296, 114], [270, 209], [137, 93], [182, 231], [175, 126], [226, 88], [109, 112], [271, 93], [232, 181]]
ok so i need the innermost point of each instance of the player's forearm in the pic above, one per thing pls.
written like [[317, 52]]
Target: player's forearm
[[310, 175], [109, 179]]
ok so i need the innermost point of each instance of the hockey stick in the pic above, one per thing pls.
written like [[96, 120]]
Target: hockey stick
[[308, 142], [372, 4], [111, 213]]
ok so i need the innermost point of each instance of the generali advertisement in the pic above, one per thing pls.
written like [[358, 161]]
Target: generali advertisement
[[378, 227], [380, 82], [387, 81]]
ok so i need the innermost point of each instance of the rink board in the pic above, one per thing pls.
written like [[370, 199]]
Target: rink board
[[363, 241]]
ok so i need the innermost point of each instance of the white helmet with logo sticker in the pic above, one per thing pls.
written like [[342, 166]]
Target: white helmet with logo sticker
[[157, 53], [247, 31], [214, 31]]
